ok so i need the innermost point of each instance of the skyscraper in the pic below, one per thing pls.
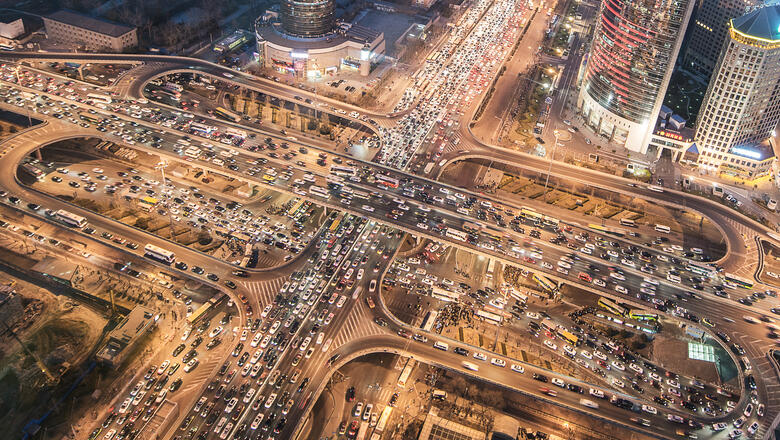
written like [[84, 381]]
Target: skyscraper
[[307, 18], [742, 105], [709, 29], [631, 59]]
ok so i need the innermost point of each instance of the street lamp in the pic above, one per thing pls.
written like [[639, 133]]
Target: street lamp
[[549, 168], [162, 165]]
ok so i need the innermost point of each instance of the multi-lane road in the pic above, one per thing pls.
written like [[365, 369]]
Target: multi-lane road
[[406, 202]]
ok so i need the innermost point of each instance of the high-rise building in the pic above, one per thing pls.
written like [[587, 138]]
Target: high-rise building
[[742, 105], [709, 29], [307, 18], [631, 59]]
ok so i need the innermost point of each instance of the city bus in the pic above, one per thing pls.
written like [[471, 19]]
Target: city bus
[[147, 203], [293, 211], [319, 192], [224, 114], [545, 283], [407, 371], [361, 195], [201, 129], [491, 234], [489, 316], [176, 96], [343, 171], [607, 230], [456, 234], [642, 315], [70, 218], [92, 119], [549, 325], [430, 319], [530, 214], [380, 425], [568, 336], [387, 181], [738, 281], [444, 294], [612, 306], [105, 99], [173, 87], [159, 254], [362, 431], [628, 222], [335, 225], [700, 269]]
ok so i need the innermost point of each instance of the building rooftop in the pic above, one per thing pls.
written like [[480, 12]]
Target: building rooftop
[[93, 24], [125, 334], [762, 23]]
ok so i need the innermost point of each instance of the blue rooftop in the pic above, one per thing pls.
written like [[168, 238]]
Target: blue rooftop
[[762, 23]]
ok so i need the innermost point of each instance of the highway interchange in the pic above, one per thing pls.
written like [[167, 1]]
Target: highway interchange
[[419, 207]]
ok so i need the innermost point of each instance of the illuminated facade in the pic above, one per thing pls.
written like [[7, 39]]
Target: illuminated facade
[[629, 65], [308, 18], [709, 29], [742, 105]]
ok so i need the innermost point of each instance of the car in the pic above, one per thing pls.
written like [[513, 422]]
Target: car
[[358, 409]]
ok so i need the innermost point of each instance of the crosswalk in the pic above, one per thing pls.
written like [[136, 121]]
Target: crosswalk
[[267, 260], [264, 291], [358, 324]]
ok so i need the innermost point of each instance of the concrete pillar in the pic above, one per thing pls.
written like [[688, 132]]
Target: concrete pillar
[[38, 154]]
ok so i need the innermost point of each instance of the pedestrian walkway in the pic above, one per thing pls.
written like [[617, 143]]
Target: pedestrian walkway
[[265, 291], [358, 324]]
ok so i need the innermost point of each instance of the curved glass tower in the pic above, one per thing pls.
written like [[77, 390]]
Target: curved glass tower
[[307, 18], [631, 58]]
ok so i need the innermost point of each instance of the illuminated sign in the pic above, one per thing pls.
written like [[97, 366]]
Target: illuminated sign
[[299, 55], [746, 152], [670, 135]]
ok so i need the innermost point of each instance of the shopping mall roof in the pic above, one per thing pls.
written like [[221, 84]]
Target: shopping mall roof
[[762, 23]]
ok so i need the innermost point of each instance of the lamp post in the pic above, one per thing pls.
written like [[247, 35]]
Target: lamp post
[[162, 165], [549, 168]]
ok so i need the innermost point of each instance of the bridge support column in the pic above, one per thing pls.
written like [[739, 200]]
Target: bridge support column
[[38, 154]]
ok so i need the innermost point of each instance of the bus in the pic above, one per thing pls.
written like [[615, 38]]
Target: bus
[[4, 46], [342, 171], [193, 152], [530, 214], [173, 87], [295, 208], [147, 203], [568, 336], [444, 294], [176, 96], [224, 114], [607, 230], [335, 225], [491, 267], [703, 270], [201, 129], [612, 306], [92, 119], [387, 181], [319, 192], [105, 99], [642, 315], [456, 234], [489, 316], [380, 425], [662, 228], [470, 366], [491, 234], [158, 253], [430, 319], [628, 222], [544, 283], [550, 326], [70, 218], [199, 312], [361, 194], [738, 281], [34, 171], [235, 133], [655, 188], [407, 371]]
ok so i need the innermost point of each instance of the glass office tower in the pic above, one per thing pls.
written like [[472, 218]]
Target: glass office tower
[[631, 59], [307, 18]]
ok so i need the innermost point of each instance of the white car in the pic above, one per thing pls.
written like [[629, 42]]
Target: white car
[[480, 356], [517, 368], [586, 354], [649, 409], [498, 362], [215, 331], [550, 344], [618, 383]]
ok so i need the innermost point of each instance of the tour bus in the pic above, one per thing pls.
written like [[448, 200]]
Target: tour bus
[[662, 228], [70, 219], [158, 253]]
